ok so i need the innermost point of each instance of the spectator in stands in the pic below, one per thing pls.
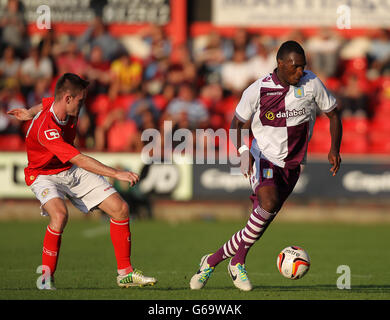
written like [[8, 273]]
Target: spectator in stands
[[241, 40], [85, 130], [9, 64], [143, 111], [175, 75], [379, 52], [158, 57], [157, 41], [353, 96], [263, 62], [295, 35], [98, 72], [186, 111], [50, 47], [71, 60], [41, 90], [33, 68], [126, 75], [236, 74], [356, 47], [209, 58], [211, 96], [183, 57], [161, 100], [10, 98], [13, 28], [323, 52], [98, 35]]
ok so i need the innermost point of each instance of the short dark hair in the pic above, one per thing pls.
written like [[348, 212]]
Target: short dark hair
[[69, 82], [288, 47]]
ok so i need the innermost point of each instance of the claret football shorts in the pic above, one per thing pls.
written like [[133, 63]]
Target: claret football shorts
[[84, 189], [265, 173]]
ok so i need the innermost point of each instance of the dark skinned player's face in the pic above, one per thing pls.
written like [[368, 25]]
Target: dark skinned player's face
[[291, 68]]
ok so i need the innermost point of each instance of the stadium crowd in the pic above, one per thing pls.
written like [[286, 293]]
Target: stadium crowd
[[136, 82]]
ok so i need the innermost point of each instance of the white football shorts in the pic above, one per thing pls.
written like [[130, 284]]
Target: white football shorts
[[84, 189]]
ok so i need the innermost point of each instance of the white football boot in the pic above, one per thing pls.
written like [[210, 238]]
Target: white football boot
[[199, 279], [47, 284], [135, 279], [239, 276]]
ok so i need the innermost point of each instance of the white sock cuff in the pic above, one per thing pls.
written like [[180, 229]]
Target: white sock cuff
[[264, 214]]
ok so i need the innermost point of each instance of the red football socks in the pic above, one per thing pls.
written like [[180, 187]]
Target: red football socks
[[121, 240], [51, 248]]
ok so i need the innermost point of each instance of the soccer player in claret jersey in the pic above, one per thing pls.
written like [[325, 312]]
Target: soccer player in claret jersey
[[281, 108], [56, 169]]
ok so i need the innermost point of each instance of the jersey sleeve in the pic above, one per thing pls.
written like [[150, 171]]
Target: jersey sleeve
[[249, 99], [324, 99], [52, 140]]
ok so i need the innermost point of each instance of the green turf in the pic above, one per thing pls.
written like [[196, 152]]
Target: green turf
[[171, 253]]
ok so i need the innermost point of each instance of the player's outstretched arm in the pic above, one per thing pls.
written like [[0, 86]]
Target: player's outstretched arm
[[94, 166], [25, 114], [336, 132], [246, 160]]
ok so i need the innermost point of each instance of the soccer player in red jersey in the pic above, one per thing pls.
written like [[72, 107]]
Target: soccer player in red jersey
[[281, 108], [56, 169]]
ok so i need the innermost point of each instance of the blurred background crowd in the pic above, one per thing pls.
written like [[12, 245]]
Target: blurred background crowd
[[137, 81]]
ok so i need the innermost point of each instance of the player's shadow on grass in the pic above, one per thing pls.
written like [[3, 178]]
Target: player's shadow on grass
[[327, 287], [323, 287]]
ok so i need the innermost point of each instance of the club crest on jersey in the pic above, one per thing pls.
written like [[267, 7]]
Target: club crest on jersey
[[299, 92], [45, 192], [52, 134], [268, 173]]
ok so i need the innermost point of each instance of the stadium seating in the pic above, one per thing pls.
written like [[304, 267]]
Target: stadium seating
[[11, 142], [379, 142], [119, 135], [320, 140], [124, 101], [355, 140], [100, 104]]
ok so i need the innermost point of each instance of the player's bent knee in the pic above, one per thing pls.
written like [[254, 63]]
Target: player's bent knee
[[115, 207], [121, 211], [58, 220], [270, 205], [124, 209]]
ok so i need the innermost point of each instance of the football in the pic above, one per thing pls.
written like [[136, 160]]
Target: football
[[293, 262]]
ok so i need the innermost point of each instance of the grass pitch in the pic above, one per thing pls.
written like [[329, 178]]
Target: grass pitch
[[171, 253]]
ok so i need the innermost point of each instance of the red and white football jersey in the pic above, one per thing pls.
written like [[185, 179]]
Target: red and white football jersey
[[283, 116], [49, 143]]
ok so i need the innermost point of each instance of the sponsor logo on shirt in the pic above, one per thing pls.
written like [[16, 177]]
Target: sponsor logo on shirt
[[290, 113], [51, 134], [270, 115], [275, 93]]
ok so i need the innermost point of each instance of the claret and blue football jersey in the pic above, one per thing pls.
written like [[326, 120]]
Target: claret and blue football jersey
[[283, 116]]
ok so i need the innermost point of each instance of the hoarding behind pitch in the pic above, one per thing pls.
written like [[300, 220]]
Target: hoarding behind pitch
[[301, 13]]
